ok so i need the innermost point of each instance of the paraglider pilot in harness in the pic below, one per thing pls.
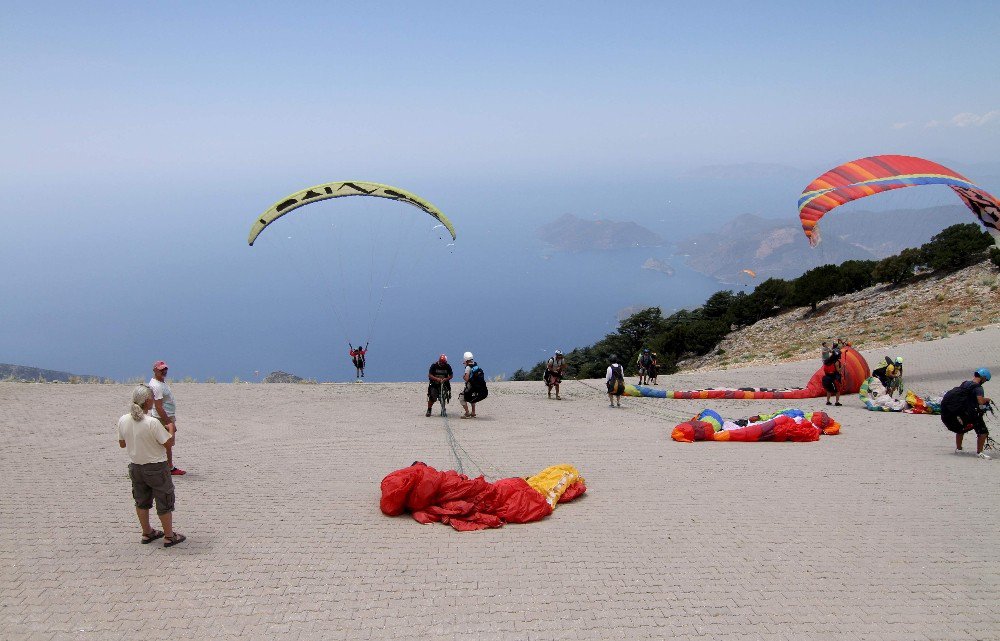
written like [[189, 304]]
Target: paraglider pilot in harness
[[554, 369], [890, 375], [358, 358], [439, 384], [962, 411]]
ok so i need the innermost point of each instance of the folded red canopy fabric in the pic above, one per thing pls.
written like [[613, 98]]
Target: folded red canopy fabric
[[433, 496]]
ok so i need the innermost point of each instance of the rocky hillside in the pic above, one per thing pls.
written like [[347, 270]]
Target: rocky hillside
[[24, 373], [929, 309], [569, 233], [777, 247], [282, 377]]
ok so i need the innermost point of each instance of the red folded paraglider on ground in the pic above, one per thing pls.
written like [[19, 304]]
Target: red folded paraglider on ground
[[433, 496]]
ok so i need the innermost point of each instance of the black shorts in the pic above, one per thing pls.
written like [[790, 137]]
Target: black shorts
[[433, 390], [830, 383], [961, 424]]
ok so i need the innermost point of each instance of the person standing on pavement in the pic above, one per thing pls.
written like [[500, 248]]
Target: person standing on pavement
[[554, 369], [961, 411], [165, 409], [439, 384], [146, 439], [475, 386], [833, 373], [615, 381]]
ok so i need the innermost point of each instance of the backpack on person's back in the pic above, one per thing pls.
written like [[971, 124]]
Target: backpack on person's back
[[961, 399], [477, 385], [616, 385]]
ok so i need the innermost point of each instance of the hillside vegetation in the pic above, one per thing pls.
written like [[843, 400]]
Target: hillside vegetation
[[871, 296]]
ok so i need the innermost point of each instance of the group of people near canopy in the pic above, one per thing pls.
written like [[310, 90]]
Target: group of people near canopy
[[469, 504], [439, 377]]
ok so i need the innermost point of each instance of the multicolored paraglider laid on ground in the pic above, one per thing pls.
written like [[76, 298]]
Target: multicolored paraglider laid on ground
[[433, 496], [855, 372], [787, 425], [874, 397], [877, 174]]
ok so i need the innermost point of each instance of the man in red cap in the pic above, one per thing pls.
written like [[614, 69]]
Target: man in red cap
[[165, 409], [439, 375]]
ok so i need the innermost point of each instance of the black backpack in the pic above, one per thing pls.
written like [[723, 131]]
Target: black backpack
[[477, 384], [959, 400]]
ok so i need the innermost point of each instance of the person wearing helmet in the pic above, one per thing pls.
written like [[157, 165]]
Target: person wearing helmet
[[439, 386], [554, 369], [358, 359], [961, 411], [475, 386], [894, 375], [615, 380], [890, 374], [653, 370]]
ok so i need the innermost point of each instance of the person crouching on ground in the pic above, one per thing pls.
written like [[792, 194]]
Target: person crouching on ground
[[615, 380], [146, 439], [960, 411]]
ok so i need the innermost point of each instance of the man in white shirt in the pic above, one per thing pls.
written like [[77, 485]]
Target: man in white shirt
[[146, 439], [164, 407]]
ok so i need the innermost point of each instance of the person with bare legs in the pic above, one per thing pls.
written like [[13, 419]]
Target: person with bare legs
[[146, 439]]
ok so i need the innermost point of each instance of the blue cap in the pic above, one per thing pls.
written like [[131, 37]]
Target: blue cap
[[984, 373]]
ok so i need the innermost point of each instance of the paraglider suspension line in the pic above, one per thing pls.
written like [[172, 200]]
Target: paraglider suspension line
[[462, 455]]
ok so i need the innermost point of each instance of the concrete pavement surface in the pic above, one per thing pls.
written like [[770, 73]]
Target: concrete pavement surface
[[879, 533]]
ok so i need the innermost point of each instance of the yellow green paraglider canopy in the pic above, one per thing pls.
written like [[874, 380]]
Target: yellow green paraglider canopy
[[338, 190]]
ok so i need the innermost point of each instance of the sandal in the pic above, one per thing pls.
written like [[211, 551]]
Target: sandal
[[152, 536], [171, 541]]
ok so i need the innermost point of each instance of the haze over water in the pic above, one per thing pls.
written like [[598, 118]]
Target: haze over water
[[142, 141]]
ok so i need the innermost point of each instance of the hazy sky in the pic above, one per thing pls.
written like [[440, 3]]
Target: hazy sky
[[139, 139]]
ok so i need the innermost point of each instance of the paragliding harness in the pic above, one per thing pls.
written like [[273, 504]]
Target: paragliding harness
[[552, 375], [891, 384], [652, 370], [961, 404], [960, 400], [475, 388], [616, 385]]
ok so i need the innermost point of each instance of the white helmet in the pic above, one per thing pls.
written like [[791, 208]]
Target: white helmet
[[467, 356]]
